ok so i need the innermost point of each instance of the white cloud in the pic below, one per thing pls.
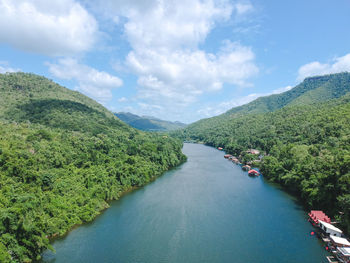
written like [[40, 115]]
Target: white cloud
[[166, 23], [97, 84], [55, 27], [222, 107], [5, 68], [178, 77], [280, 90], [243, 8], [122, 99], [165, 37], [174, 24], [340, 64]]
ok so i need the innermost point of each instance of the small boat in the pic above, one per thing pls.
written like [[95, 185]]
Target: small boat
[[220, 148], [253, 173], [227, 156]]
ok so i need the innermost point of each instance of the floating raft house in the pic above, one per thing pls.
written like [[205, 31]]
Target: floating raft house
[[339, 241], [330, 229], [316, 215]]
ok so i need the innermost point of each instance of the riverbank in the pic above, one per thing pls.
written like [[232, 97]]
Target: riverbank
[[302, 178], [106, 204], [205, 210]]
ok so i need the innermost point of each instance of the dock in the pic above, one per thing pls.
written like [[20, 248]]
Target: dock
[[332, 259], [326, 239]]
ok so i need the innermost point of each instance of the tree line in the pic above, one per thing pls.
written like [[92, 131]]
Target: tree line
[[307, 149]]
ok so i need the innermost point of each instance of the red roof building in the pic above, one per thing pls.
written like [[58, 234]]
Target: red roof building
[[316, 215]]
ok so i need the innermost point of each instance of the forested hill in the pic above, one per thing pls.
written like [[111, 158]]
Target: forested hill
[[306, 143], [148, 123], [62, 157], [311, 90]]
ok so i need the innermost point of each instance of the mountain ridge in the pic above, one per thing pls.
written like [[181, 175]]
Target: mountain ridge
[[148, 123], [307, 92], [338, 85]]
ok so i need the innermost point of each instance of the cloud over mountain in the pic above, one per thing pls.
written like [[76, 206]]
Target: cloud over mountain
[[165, 38], [97, 84], [340, 64]]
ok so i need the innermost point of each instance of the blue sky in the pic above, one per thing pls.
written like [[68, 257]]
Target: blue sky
[[177, 60]]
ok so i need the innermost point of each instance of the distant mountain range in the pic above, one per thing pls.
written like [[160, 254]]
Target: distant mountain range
[[148, 123]]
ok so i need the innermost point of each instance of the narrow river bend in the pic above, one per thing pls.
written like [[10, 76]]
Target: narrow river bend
[[207, 210]]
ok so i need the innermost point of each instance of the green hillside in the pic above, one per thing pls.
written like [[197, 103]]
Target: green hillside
[[306, 142], [166, 125], [138, 122], [146, 123], [23, 87], [62, 157], [311, 90]]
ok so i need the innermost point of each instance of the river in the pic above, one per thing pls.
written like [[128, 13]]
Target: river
[[206, 210]]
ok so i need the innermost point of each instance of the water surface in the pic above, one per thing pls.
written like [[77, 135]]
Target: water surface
[[207, 210]]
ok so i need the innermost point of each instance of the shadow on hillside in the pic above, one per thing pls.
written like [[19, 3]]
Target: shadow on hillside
[[63, 114]]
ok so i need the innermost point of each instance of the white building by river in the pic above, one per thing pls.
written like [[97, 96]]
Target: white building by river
[[330, 229], [343, 254], [339, 241]]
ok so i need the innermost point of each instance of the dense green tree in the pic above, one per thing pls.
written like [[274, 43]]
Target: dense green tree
[[62, 158]]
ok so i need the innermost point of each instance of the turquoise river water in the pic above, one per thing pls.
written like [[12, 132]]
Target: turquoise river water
[[206, 210]]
